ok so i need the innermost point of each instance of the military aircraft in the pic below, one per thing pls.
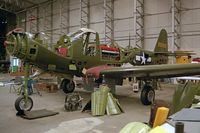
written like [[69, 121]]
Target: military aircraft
[[81, 54]]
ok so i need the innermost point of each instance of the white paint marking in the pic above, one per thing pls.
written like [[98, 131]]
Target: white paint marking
[[137, 58], [149, 59], [97, 131], [77, 126], [143, 59]]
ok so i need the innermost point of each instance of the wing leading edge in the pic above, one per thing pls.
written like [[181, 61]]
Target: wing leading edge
[[153, 71]]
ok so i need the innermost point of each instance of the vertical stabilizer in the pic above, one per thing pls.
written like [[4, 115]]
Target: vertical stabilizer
[[162, 42]]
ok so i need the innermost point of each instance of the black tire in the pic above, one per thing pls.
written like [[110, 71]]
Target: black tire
[[67, 86], [21, 106], [147, 95]]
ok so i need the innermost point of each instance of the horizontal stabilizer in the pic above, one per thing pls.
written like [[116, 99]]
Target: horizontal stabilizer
[[177, 53]]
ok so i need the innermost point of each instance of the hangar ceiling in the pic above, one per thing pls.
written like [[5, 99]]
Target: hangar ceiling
[[18, 5]]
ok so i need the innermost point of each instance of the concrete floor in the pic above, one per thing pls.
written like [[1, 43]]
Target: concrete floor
[[73, 122]]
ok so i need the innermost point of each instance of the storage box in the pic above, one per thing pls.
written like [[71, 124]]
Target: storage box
[[51, 88]]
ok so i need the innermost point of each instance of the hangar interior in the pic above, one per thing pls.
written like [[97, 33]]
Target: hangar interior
[[135, 23]]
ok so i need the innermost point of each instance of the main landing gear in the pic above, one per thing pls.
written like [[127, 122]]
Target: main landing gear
[[147, 95], [67, 86]]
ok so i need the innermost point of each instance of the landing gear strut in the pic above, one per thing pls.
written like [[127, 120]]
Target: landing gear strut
[[24, 102], [67, 86], [147, 95]]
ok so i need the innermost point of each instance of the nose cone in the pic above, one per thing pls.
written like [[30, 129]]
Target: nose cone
[[12, 40], [15, 43], [10, 44]]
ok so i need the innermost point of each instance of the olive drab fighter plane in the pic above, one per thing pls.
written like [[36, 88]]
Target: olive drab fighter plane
[[81, 54]]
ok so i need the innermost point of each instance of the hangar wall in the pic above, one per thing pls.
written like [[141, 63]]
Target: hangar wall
[[61, 16]]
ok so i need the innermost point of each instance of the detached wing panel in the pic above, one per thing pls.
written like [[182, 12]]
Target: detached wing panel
[[153, 71]]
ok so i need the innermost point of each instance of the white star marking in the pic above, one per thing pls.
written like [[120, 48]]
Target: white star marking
[[143, 59]]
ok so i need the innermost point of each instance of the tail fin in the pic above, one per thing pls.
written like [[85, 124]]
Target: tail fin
[[162, 42]]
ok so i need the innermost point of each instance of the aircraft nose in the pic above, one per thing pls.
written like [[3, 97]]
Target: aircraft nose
[[10, 44], [14, 42]]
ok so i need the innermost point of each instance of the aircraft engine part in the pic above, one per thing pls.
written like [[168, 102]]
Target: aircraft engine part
[[22, 105], [26, 47], [113, 107], [147, 95], [67, 86], [183, 96], [135, 127], [99, 101], [73, 102]]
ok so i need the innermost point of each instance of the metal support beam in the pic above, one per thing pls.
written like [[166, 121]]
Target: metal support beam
[[84, 13], [51, 32], [21, 20], [33, 15], [109, 21], [38, 12], [10, 6], [139, 23], [48, 22], [15, 5], [64, 16], [176, 20]]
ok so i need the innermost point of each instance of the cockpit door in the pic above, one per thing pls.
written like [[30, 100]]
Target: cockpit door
[[90, 44]]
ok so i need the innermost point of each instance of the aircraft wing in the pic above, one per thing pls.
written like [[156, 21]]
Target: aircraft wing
[[189, 78], [153, 71]]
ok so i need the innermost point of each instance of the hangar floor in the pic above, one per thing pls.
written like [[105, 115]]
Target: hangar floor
[[74, 122]]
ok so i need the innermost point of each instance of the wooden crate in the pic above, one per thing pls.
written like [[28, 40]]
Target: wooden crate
[[41, 86], [51, 87], [17, 74], [48, 87]]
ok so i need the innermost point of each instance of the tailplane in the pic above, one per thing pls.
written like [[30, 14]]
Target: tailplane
[[162, 46], [162, 42]]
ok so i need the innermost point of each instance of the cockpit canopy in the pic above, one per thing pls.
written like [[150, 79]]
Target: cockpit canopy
[[41, 36], [79, 34]]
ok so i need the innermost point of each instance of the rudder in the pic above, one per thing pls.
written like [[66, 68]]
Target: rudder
[[162, 42]]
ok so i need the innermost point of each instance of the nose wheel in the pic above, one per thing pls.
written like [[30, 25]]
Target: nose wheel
[[147, 95], [24, 102], [21, 104]]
